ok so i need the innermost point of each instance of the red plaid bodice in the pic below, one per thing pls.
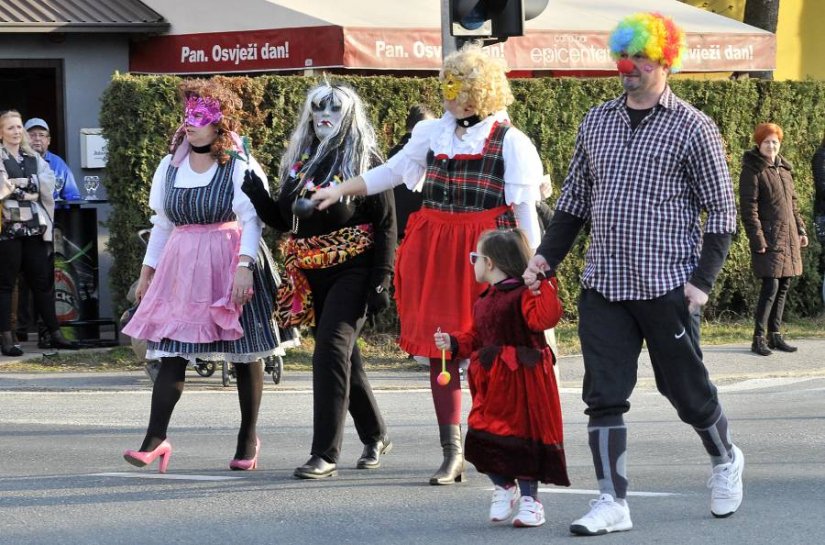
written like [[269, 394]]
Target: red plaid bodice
[[469, 183]]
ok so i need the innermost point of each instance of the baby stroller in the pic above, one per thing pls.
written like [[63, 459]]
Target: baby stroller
[[273, 365]]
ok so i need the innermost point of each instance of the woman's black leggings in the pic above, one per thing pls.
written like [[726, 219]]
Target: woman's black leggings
[[771, 305], [31, 256], [339, 382]]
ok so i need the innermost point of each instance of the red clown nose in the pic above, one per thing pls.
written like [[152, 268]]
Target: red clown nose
[[625, 66]]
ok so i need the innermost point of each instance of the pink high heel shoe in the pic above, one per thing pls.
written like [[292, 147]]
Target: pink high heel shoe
[[141, 459], [246, 465]]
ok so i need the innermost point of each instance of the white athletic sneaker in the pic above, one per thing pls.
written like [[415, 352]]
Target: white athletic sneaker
[[606, 515], [503, 502], [530, 513], [726, 485]]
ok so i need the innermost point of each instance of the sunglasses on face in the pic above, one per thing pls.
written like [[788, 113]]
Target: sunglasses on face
[[321, 106], [474, 257]]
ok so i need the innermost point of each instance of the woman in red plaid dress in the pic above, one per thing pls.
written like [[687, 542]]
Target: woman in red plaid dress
[[476, 173]]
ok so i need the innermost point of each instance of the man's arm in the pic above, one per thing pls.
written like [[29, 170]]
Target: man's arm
[[572, 212], [70, 191], [559, 238], [715, 248], [709, 178]]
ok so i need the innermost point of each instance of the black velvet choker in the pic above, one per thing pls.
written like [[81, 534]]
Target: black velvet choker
[[202, 149], [468, 121]]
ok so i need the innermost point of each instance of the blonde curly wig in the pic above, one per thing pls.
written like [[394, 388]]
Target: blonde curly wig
[[473, 77]]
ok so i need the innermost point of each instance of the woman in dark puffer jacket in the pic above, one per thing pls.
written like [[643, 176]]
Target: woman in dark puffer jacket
[[775, 229]]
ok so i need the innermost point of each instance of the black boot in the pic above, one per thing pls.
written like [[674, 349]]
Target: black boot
[[59, 341], [452, 468], [8, 346], [776, 342], [759, 346]]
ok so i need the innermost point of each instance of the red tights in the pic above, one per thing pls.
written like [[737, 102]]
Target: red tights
[[447, 399]]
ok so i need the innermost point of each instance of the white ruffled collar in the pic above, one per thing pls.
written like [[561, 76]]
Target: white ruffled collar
[[442, 138]]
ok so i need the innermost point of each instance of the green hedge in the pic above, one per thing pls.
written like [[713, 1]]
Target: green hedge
[[139, 113]]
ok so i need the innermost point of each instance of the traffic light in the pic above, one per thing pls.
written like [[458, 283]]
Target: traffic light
[[492, 18]]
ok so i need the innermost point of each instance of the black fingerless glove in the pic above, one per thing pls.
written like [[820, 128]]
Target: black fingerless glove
[[252, 184], [378, 302]]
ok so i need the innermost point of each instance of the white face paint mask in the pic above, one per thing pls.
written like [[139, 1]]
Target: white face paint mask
[[326, 116]]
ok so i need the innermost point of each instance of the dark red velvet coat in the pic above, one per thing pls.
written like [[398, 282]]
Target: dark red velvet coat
[[515, 426]]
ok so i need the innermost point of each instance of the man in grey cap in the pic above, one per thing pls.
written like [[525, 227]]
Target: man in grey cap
[[40, 138]]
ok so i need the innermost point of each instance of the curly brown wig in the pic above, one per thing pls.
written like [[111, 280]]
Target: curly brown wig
[[230, 106]]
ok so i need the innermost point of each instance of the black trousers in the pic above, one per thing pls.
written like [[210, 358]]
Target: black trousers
[[339, 381], [611, 336], [26, 314], [31, 256], [771, 305]]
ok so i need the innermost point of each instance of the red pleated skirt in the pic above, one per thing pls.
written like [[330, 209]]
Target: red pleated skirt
[[435, 286]]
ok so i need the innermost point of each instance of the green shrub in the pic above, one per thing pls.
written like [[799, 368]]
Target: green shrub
[[139, 114]]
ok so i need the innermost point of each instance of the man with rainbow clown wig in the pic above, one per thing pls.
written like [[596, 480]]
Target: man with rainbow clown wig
[[645, 166]]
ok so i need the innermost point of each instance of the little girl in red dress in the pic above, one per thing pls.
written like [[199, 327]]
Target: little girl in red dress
[[515, 426]]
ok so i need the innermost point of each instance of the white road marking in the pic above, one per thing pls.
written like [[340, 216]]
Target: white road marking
[[596, 492], [166, 476], [760, 383]]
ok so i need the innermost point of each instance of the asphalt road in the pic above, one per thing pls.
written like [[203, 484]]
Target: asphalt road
[[63, 481]]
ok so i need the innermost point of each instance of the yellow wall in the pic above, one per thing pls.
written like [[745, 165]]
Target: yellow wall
[[800, 35]]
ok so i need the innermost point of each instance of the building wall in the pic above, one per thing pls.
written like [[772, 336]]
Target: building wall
[[800, 35], [88, 64], [802, 42]]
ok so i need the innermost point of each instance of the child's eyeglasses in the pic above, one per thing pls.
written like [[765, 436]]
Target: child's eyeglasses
[[474, 257]]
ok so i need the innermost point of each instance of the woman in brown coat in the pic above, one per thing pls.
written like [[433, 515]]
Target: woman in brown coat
[[775, 231]]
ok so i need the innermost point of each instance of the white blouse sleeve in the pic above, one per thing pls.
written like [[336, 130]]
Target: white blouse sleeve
[[251, 225], [527, 219], [523, 175], [161, 225], [523, 170], [408, 165]]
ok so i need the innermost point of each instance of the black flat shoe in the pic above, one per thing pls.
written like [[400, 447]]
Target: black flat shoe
[[371, 457], [7, 346], [12, 351], [316, 468]]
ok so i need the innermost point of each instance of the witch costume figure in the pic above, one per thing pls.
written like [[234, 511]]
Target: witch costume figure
[[479, 173], [207, 284], [339, 265]]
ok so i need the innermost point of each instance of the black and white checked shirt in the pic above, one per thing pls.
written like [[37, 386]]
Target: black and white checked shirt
[[642, 191]]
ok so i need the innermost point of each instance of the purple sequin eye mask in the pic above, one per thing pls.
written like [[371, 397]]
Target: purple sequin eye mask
[[200, 112]]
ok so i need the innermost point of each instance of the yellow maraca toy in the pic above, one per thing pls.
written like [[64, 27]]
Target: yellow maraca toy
[[443, 378]]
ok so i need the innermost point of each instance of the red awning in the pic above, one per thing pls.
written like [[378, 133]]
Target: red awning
[[571, 35]]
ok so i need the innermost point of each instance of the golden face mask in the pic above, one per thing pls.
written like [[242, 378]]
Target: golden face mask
[[450, 87]]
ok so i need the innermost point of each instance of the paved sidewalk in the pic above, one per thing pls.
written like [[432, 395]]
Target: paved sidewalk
[[726, 364]]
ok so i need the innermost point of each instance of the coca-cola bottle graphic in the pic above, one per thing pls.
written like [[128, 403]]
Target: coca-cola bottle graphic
[[66, 296]]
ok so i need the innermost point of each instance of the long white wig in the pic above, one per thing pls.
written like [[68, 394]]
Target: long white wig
[[347, 152]]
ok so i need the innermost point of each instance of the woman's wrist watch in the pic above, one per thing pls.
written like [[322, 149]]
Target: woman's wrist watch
[[246, 265]]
